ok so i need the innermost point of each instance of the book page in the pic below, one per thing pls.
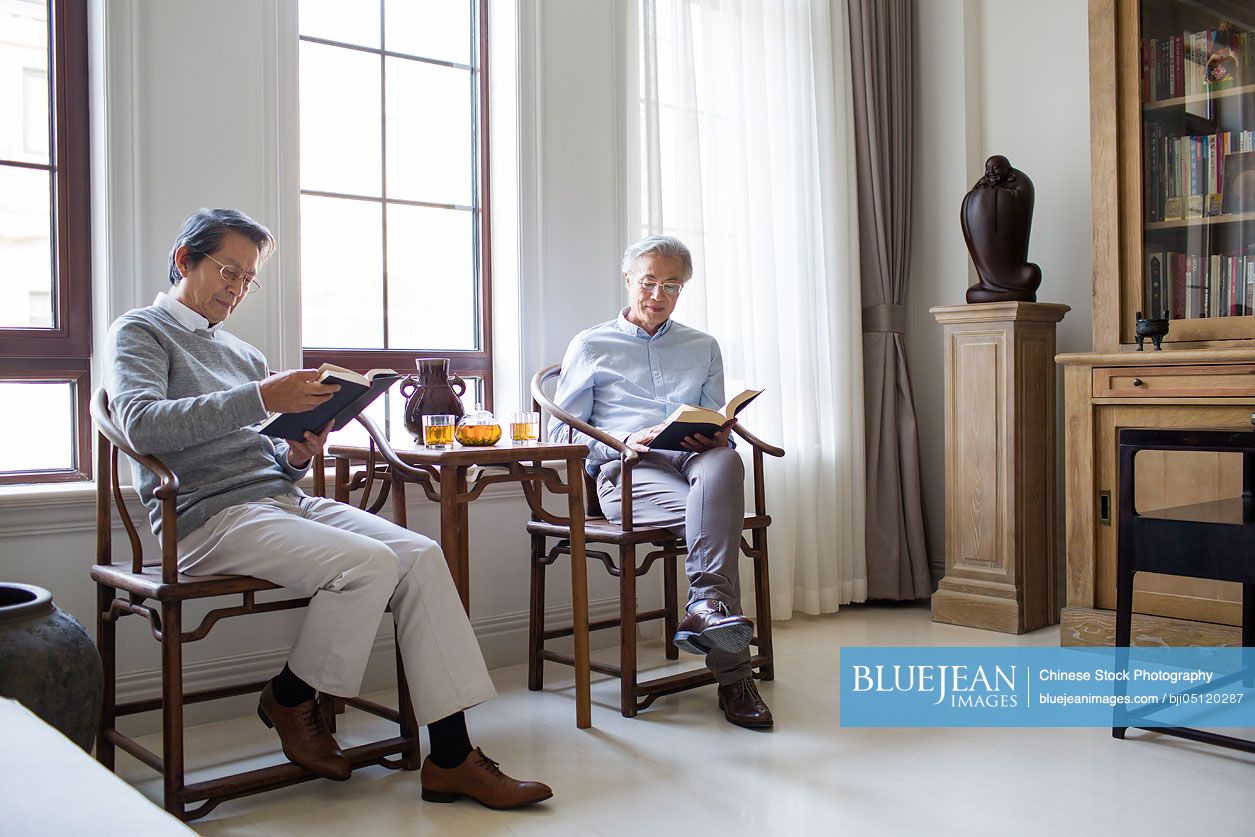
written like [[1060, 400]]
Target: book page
[[738, 402]]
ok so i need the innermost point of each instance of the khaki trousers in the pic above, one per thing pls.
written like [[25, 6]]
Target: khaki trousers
[[700, 496], [353, 564]]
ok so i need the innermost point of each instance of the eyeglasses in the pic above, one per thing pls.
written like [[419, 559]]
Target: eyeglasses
[[668, 288], [231, 274]]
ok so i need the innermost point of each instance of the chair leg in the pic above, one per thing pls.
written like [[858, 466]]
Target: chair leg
[[1248, 633], [1124, 608], [106, 643], [536, 617], [670, 596], [627, 631], [172, 705], [1124, 629], [413, 759], [762, 603]]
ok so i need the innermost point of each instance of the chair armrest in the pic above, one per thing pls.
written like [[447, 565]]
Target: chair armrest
[[168, 489], [390, 456], [628, 455], [770, 450]]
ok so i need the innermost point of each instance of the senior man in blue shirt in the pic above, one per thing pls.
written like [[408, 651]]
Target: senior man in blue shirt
[[625, 376]]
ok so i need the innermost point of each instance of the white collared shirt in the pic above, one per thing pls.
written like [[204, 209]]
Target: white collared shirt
[[183, 315]]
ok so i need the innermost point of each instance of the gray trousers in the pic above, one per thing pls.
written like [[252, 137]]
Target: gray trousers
[[699, 496]]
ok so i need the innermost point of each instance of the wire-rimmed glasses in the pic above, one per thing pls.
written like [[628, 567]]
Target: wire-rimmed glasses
[[232, 274]]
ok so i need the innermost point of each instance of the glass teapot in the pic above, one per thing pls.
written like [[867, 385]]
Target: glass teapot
[[478, 428]]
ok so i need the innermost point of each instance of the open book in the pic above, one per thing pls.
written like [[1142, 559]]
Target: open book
[[691, 421], [355, 394]]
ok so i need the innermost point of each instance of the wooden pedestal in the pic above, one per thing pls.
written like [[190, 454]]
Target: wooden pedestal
[[1000, 466]]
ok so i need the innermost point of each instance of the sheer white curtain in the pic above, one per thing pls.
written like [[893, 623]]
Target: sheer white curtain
[[747, 154]]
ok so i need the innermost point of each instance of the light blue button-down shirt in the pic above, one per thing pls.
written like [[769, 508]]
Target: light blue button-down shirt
[[619, 378]]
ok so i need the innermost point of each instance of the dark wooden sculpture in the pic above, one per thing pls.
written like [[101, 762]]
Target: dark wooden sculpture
[[997, 215]]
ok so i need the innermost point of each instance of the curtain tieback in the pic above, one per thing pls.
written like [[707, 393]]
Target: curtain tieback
[[884, 318]]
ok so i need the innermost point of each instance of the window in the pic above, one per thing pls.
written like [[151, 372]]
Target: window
[[394, 187], [45, 258]]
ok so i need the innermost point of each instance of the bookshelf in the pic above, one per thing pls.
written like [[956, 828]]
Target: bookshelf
[[1199, 98], [1239, 218], [1164, 154], [1196, 122]]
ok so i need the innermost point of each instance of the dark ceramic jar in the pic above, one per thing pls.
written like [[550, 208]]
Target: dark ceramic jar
[[48, 662], [435, 393]]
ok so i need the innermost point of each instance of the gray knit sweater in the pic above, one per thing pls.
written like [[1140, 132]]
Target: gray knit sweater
[[190, 397]]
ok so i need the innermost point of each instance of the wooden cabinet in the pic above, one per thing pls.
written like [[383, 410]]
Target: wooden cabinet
[[1173, 228]]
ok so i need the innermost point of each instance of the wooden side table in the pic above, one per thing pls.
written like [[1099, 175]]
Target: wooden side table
[[454, 478]]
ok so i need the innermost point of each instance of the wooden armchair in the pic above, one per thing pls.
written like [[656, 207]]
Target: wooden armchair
[[625, 538], [156, 591]]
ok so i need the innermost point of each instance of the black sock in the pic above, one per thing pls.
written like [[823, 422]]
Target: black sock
[[450, 742], [291, 690]]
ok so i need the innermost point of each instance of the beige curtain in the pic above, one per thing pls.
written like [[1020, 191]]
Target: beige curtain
[[882, 51], [747, 154]]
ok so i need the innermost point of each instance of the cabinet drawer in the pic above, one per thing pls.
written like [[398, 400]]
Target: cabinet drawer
[[1231, 381]]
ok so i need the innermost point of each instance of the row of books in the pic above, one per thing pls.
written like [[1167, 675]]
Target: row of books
[[1193, 286], [1177, 65], [1184, 176]]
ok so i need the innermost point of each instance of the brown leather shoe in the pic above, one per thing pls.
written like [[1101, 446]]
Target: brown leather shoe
[[303, 731], [479, 778], [707, 625], [743, 706]]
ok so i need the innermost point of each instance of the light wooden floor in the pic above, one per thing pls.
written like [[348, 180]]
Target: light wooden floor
[[679, 767]]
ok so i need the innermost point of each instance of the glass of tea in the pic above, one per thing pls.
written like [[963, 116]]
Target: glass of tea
[[524, 428], [438, 431]]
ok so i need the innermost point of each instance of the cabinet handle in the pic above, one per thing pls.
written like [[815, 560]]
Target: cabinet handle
[[1137, 382]]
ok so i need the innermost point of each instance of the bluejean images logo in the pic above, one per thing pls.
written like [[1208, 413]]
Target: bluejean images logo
[[1047, 687], [959, 686]]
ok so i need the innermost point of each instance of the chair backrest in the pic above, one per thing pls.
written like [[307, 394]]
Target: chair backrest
[[543, 384]]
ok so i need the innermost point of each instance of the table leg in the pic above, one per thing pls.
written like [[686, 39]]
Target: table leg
[[464, 546], [451, 477], [399, 514], [579, 592], [341, 491]]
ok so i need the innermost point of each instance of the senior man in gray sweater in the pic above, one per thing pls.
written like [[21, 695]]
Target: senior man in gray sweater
[[188, 392]]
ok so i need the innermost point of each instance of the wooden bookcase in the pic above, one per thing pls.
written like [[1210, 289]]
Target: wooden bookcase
[[1152, 117]]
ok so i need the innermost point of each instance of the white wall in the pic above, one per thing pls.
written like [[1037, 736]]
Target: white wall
[[195, 106], [1003, 77]]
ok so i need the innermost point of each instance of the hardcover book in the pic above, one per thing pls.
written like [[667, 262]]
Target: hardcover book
[[690, 421], [356, 393]]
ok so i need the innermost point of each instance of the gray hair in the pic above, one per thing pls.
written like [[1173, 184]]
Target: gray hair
[[204, 229], [664, 245]]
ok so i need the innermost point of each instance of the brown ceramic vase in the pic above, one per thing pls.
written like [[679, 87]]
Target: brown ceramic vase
[[435, 392]]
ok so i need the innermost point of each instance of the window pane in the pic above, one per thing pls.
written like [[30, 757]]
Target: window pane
[[429, 132], [439, 29], [341, 273], [23, 57], [25, 248], [35, 126], [431, 280], [40, 435], [340, 120], [335, 20]]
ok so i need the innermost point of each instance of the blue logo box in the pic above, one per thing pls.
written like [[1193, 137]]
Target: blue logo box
[[1047, 687]]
